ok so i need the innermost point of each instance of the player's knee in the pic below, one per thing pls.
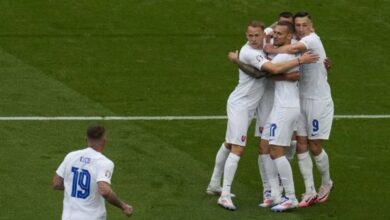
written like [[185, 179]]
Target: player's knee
[[302, 145], [227, 145], [264, 147], [237, 150], [315, 147], [276, 152]]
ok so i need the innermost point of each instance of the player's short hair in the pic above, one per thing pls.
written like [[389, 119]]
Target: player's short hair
[[255, 23], [95, 132], [290, 27], [302, 14], [286, 14]]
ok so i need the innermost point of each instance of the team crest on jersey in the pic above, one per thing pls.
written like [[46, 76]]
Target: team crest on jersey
[[243, 138], [259, 58], [108, 174]]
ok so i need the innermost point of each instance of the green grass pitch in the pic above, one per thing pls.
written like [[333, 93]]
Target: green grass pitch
[[156, 58]]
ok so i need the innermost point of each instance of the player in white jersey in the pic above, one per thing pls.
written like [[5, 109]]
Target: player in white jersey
[[317, 110], [263, 110], [241, 107], [280, 125], [85, 176]]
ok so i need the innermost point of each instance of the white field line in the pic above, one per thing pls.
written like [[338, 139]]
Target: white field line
[[152, 118]]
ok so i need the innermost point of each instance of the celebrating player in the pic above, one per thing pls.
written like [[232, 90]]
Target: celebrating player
[[241, 106], [317, 110]]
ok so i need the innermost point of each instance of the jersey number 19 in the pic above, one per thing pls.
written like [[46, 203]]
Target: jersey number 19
[[81, 183]]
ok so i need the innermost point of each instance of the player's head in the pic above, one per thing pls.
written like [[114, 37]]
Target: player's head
[[303, 24], [283, 33], [286, 16], [255, 34], [96, 137]]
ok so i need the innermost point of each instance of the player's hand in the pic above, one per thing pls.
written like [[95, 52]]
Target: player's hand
[[293, 76], [309, 57], [268, 48], [233, 56], [268, 39], [127, 210], [328, 64]]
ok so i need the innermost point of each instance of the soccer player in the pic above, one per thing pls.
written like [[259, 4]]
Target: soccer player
[[317, 110], [263, 110], [85, 176], [241, 107], [281, 123]]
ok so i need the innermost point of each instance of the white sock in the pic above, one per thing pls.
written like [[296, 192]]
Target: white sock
[[220, 160], [290, 151], [285, 172], [306, 167], [229, 172], [322, 162], [262, 160], [273, 177]]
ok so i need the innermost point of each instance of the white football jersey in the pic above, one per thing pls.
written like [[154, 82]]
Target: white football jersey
[[270, 56], [249, 90], [286, 92], [313, 83], [81, 171]]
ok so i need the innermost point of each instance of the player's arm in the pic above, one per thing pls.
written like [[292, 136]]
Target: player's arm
[[292, 76], [109, 195], [327, 63], [246, 68], [298, 47], [58, 182], [283, 67]]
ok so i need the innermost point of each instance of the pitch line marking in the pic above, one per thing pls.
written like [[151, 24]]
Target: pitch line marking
[[152, 118]]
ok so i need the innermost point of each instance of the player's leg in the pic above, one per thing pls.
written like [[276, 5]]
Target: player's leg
[[214, 187], [229, 173], [291, 151], [238, 124], [321, 122], [268, 170], [264, 160], [284, 169], [270, 173], [305, 162], [281, 130], [322, 162]]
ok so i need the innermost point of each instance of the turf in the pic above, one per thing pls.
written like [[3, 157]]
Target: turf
[[169, 58]]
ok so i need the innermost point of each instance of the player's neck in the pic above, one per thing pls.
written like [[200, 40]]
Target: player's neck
[[97, 148]]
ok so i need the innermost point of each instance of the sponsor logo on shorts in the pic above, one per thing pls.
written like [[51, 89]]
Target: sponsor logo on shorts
[[243, 138]]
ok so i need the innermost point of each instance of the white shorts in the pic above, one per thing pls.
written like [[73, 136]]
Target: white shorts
[[239, 120], [262, 113], [280, 126], [315, 121]]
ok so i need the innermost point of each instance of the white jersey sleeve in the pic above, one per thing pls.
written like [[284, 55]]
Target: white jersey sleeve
[[256, 61], [104, 172]]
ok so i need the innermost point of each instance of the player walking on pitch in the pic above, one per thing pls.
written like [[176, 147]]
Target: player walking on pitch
[[85, 176]]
